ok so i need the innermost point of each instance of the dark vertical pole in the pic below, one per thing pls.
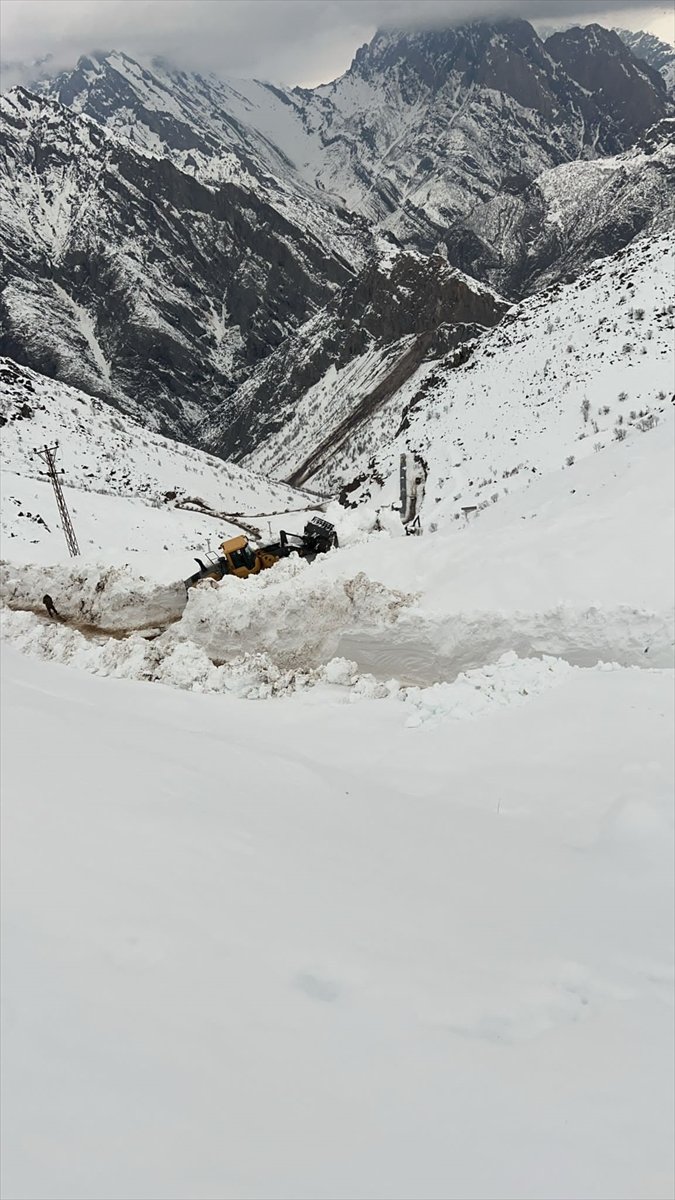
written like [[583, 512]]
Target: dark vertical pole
[[403, 487], [48, 453]]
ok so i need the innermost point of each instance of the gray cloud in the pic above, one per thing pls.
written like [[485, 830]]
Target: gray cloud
[[289, 41]]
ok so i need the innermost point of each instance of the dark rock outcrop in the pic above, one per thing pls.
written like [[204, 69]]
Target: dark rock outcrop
[[653, 50], [618, 83]]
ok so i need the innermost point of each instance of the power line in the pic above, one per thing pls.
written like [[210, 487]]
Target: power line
[[48, 453]]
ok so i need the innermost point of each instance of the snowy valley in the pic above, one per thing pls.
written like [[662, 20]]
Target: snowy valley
[[352, 878]]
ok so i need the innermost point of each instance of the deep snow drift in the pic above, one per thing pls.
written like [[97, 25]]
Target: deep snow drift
[[298, 950]]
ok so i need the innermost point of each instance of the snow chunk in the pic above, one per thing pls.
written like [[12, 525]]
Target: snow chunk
[[511, 680]]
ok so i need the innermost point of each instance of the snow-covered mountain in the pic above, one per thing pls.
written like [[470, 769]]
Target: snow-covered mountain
[[526, 238], [130, 490], [420, 128], [564, 374], [395, 828], [659, 54], [321, 394], [343, 364], [208, 127], [166, 233], [139, 282], [496, 105]]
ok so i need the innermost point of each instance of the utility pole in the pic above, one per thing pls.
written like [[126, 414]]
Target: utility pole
[[48, 454]]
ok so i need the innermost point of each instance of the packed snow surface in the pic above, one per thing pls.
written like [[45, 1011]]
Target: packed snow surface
[[303, 950], [562, 376]]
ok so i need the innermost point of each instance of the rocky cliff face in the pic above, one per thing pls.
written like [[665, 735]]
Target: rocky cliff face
[[658, 54], [616, 82]]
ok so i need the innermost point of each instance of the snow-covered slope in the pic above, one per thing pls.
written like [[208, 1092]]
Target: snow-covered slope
[[526, 237], [563, 375], [125, 486], [441, 856], [304, 946], [312, 394], [137, 281], [302, 950]]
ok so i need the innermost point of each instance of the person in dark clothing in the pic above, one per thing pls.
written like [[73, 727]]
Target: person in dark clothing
[[50, 606]]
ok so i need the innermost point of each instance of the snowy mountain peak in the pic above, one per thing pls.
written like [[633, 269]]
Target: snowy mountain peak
[[653, 50], [502, 56], [579, 49], [440, 45]]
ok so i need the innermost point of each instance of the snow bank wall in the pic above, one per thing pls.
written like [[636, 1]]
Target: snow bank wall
[[110, 598]]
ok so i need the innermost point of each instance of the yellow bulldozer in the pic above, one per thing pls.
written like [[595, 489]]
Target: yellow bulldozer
[[238, 557]]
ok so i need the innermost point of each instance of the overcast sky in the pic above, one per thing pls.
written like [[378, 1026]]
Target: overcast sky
[[287, 41]]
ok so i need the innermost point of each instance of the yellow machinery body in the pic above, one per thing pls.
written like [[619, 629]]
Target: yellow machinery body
[[238, 557], [243, 560]]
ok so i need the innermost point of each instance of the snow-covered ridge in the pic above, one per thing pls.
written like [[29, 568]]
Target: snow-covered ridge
[[310, 397], [566, 373], [205, 126], [417, 130], [140, 283], [123, 481]]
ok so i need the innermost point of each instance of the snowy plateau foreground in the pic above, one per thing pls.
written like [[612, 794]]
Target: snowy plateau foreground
[[291, 950], [402, 926]]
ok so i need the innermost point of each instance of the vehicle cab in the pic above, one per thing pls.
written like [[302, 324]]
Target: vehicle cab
[[240, 556]]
